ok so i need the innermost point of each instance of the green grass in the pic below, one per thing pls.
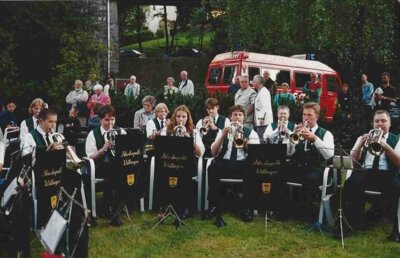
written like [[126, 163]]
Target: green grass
[[202, 239], [156, 47]]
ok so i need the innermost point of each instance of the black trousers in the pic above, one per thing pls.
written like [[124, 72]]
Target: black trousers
[[354, 197], [229, 169]]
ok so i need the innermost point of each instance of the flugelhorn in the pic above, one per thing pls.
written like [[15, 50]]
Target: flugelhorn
[[59, 139], [111, 136], [373, 144], [236, 135], [204, 129], [283, 128], [180, 130], [296, 136]]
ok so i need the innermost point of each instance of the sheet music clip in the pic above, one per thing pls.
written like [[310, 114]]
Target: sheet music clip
[[170, 211]]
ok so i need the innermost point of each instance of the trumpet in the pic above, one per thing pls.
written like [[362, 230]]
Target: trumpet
[[296, 137], [373, 144], [59, 139], [111, 136], [180, 130], [283, 128], [203, 130], [236, 135]]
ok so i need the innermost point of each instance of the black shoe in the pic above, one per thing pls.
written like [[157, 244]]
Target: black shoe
[[210, 213], [116, 222], [395, 235], [161, 214], [91, 222], [248, 215], [220, 222], [185, 214], [272, 215]]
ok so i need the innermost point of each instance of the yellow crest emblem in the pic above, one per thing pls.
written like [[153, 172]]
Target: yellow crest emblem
[[173, 181], [266, 187], [130, 179], [53, 201]]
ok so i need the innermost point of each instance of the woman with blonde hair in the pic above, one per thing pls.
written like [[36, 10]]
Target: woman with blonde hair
[[31, 123]]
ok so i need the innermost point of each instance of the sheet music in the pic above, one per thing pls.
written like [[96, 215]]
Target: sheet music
[[53, 232], [10, 191]]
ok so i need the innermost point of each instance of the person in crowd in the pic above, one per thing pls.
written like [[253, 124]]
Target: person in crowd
[[234, 87], [314, 147], [379, 173], [154, 126], [94, 121], [31, 123], [211, 123], [99, 97], [170, 88], [186, 86], [245, 97], [231, 162], [133, 88], [388, 95], [312, 89], [285, 97], [77, 97], [109, 87], [279, 131], [367, 89], [345, 99], [269, 83], [262, 107], [98, 149], [8, 117], [144, 115]]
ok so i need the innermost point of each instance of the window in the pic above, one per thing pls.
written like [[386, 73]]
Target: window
[[279, 76], [301, 79], [229, 73], [253, 71], [215, 75], [332, 83]]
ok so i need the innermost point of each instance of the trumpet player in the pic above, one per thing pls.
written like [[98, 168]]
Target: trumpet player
[[230, 162], [381, 174], [98, 149], [209, 125], [154, 126], [315, 146], [279, 131], [32, 122]]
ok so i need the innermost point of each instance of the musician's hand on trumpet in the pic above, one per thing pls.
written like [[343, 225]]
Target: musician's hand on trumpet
[[107, 145]]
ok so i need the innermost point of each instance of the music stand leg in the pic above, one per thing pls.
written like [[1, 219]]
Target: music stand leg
[[170, 211], [341, 217]]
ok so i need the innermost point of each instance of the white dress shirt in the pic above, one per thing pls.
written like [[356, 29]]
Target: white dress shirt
[[241, 154], [77, 96], [28, 143], [325, 147], [196, 140], [263, 108], [274, 136], [2, 152], [151, 126], [188, 89], [383, 160], [24, 128], [90, 146]]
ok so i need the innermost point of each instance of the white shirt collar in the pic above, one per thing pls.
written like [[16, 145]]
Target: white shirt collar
[[40, 130], [313, 129], [102, 130]]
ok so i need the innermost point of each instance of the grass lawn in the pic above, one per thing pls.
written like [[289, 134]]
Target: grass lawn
[[202, 239], [155, 47]]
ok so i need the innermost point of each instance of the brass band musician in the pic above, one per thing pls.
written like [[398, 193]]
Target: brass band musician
[[31, 123], [279, 131], [209, 125]]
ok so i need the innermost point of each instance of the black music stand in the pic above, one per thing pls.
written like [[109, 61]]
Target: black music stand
[[173, 161], [46, 180], [129, 160], [266, 161]]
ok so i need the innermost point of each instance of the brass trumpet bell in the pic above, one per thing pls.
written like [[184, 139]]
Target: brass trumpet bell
[[373, 144]]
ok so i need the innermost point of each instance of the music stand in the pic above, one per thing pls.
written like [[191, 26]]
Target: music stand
[[173, 160], [266, 161]]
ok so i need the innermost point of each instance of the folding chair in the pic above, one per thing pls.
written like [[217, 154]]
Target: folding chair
[[90, 169]]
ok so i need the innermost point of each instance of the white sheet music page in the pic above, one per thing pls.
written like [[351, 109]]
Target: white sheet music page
[[53, 232], [10, 191]]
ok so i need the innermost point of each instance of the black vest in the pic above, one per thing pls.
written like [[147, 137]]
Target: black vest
[[29, 124], [37, 137], [209, 138], [246, 132]]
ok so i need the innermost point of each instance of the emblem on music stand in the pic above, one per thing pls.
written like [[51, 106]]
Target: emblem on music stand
[[173, 181], [130, 179], [53, 201], [266, 187]]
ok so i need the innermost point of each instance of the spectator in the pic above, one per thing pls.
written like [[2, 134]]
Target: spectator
[[233, 88], [269, 83], [94, 121], [284, 97], [367, 91], [98, 97], [88, 87], [388, 95], [345, 99], [245, 97], [170, 88], [7, 117], [186, 86], [109, 86], [312, 89], [77, 98], [133, 88], [144, 115], [262, 107]]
